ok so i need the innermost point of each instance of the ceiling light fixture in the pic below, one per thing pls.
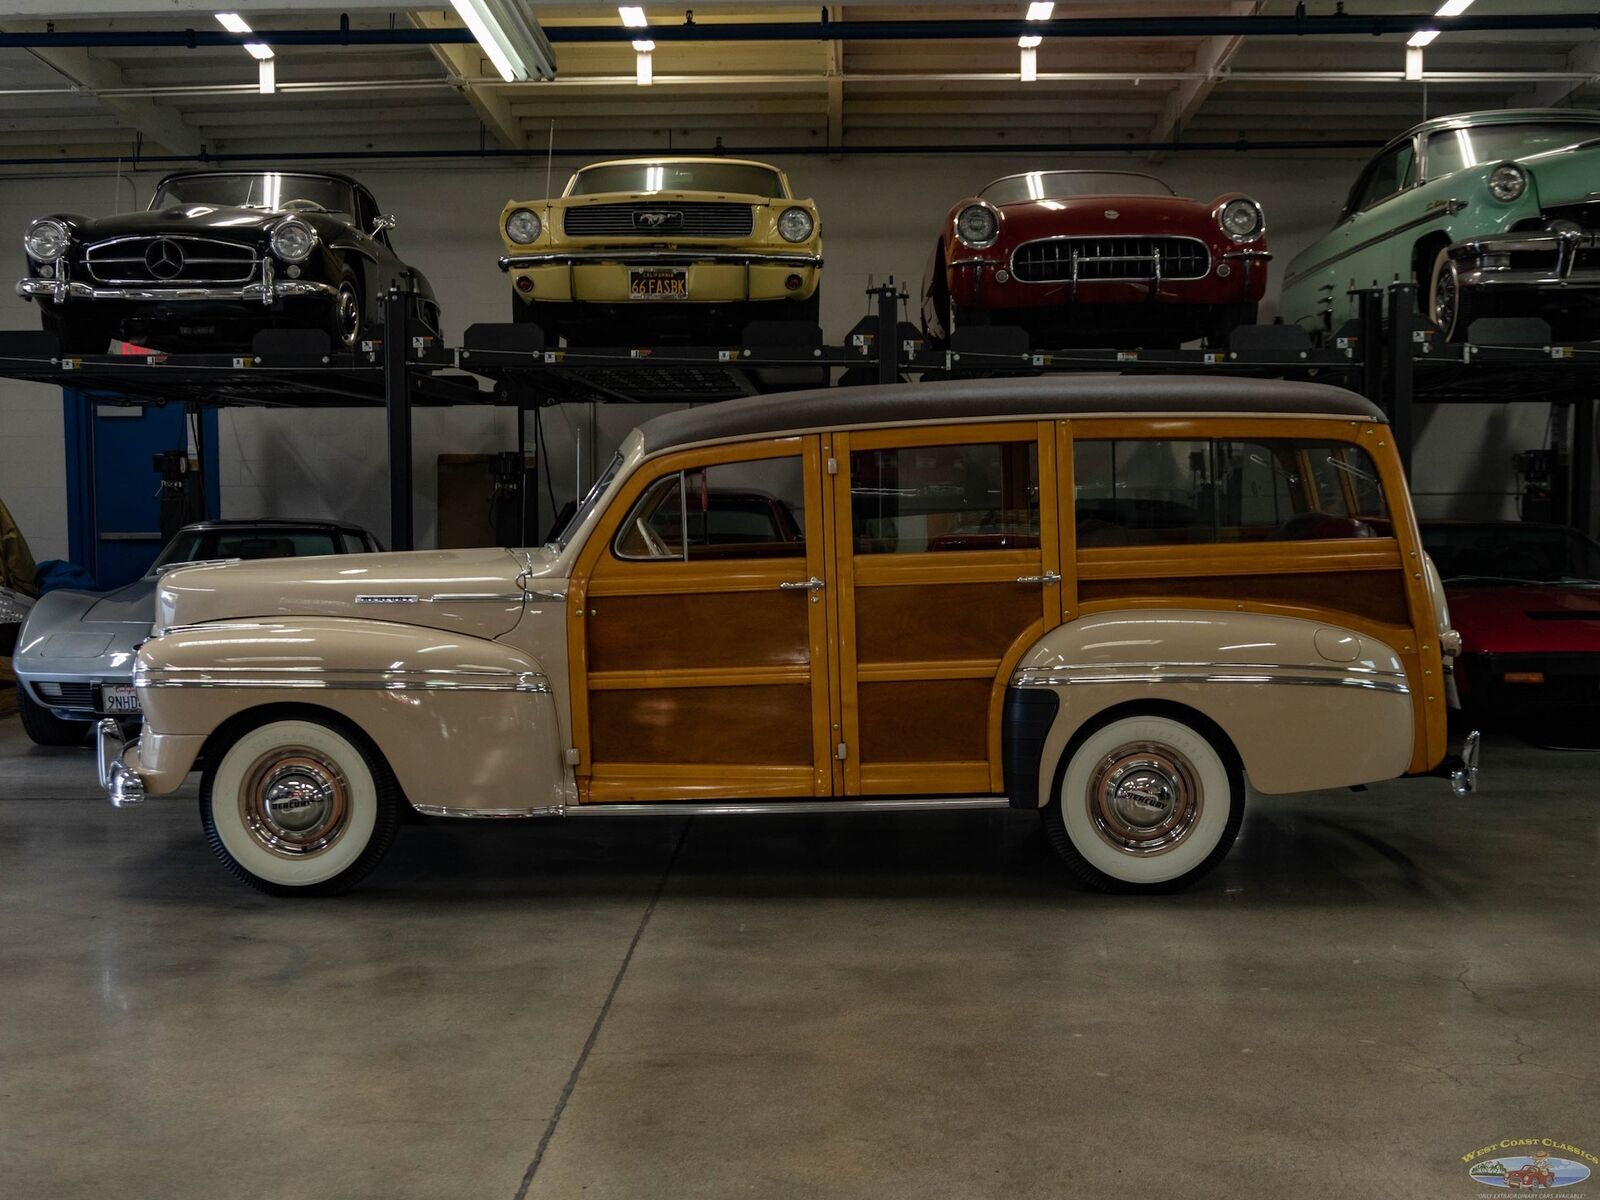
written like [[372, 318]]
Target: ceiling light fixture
[[268, 75], [1413, 64], [268, 70], [1453, 8], [510, 37], [632, 16], [1422, 37], [1041, 10]]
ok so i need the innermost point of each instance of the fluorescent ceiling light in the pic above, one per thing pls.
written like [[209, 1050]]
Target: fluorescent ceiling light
[[632, 16], [233, 23], [1040, 10], [1422, 37], [1030, 41], [510, 37], [644, 46], [269, 75], [259, 51], [1453, 8], [644, 72], [1413, 63], [1029, 68]]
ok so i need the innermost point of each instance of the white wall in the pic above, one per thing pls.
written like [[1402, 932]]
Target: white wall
[[879, 219]]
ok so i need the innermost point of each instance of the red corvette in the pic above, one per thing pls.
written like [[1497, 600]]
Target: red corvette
[[1097, 258], [1526, 600]]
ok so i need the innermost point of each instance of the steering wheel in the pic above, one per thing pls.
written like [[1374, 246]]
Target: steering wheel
[[652, 543]]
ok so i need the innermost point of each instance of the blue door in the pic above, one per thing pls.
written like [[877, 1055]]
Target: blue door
[[114, 513]]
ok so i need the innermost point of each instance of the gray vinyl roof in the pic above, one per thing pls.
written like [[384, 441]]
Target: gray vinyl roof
[[999, 400]]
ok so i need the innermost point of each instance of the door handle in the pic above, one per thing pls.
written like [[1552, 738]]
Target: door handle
[[803, 585], [1049, 577]]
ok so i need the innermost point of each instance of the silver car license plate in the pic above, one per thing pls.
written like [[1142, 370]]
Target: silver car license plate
[[119, 698]]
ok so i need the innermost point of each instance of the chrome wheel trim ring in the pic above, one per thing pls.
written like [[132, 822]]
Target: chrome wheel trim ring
[[295, 802], [1144, 799], [347, 315], [1446, 299]]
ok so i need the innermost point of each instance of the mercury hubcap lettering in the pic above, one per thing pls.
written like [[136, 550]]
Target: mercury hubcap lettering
[[1144, 799], [294, 802]]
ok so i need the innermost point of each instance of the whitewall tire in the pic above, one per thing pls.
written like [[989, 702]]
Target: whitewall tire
[[299, 807], [1145, 803]]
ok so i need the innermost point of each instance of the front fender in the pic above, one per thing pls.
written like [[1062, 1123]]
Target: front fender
[[1305, 704], [464, 723]]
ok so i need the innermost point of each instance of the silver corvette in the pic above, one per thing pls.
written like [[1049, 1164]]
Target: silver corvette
[[74, 656]]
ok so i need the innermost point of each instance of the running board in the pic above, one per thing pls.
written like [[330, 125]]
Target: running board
[[728, 808]]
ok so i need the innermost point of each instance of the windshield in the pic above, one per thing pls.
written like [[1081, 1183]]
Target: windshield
[[586, 505], [268, 191], [1061, 185], [746, 179], [1455, 149], [206, 545], [1508, 551]]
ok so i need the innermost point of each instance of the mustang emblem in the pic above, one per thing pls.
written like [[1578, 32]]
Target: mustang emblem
[[1112, 214], [658, 218], [164, 259]]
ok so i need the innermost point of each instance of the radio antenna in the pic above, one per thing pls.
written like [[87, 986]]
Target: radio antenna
[[549, 162]]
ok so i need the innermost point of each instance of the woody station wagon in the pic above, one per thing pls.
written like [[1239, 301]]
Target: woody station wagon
[[1112, 600]]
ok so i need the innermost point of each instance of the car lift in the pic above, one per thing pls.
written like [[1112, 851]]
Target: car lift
[[1398, 363]]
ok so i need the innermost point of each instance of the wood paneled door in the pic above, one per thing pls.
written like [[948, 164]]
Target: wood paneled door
[[947, 561], [699, 632]]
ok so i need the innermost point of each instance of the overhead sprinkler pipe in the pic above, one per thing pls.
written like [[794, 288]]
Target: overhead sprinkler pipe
[[1298, 24]]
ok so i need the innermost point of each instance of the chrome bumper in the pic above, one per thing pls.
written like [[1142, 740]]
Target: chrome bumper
[[267, 290], [657, 258], [120, 782], [1547, 260], [1464, 770]]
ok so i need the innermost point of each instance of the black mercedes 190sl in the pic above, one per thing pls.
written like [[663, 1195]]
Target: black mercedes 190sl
[[217, 256]]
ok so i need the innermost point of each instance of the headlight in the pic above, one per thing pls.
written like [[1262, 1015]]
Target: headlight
[[293, 240], [1241, 220], [1563, 225], [1507, 182], [46, 240], [795, 224], [976, 225], [523, 226]]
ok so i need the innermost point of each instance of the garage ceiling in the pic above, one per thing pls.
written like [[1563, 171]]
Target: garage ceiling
[[63, 103]]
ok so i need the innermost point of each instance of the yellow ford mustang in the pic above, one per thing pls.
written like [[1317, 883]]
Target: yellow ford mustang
[[674, 248]]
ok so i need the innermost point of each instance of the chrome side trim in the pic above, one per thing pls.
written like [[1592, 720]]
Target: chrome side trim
[[352, 679], [1249, 673], [726, 808], [442, 598]]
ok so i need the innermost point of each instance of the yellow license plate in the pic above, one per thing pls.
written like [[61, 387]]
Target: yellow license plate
[[658, 283]]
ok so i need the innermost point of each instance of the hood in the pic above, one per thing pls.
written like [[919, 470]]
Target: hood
[[472, 592], [1547, 618], [131, 604], [1089, 215], [1565, 176], [242, 224], [669, 197]]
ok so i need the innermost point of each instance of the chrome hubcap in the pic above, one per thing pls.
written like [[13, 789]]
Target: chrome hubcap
[[348, 315], [295, 802], [1444, 299], [1144, 799]]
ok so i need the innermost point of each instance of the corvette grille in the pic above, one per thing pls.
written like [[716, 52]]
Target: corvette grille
[[669, 219], [1051, 260], [68, 695], [181, 260]]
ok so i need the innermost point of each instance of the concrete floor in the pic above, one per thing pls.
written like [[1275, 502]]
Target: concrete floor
[[1371, 987]]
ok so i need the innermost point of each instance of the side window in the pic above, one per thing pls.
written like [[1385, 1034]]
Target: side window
[[752, 509], [1157, 492], [921, 499], [1388, 175]]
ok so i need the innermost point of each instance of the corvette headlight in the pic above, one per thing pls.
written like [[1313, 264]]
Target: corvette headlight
[[293, 240], [1507, 182], [976, 225], [13, 610], [1241, 220], [523, 226], [795, 224], [47, 239]]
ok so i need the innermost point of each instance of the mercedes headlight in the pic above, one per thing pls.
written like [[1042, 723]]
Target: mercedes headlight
[[523, 226], [795, 224], [1507, 182], [46, 240], [293, 240], [977, 226], [1241, 220]]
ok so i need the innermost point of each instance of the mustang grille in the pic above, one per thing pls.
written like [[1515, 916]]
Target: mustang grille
[[68, 695], [691, 219], [169, 260], [1051, 260]]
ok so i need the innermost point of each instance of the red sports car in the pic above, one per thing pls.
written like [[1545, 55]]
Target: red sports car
[[1526, 600], [1097, 258]]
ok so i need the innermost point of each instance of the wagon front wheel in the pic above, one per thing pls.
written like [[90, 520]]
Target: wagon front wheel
[[299, 808], [1145, 803]]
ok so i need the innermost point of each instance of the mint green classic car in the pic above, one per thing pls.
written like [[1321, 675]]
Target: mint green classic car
[[1489, 214]]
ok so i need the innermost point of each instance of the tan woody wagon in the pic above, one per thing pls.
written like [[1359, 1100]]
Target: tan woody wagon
[[1113, 600]]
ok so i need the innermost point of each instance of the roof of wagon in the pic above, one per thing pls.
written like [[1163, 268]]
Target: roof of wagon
[[1001, 399]]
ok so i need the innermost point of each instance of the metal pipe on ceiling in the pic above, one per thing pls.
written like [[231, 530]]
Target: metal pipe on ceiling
[[1153, 28]]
